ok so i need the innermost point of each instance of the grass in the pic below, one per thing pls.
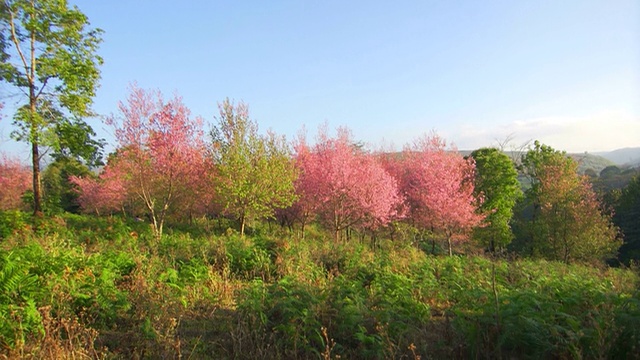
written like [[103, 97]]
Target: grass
[[87, 287]]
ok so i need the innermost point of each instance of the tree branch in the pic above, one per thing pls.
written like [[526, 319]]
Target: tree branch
[[16, 42]]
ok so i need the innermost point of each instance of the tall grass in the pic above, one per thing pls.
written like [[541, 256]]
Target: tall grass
[[88, 287]]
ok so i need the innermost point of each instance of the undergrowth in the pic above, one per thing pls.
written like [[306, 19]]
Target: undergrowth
[[86, 287]]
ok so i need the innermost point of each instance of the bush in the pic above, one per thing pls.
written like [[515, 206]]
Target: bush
[[13, 222]]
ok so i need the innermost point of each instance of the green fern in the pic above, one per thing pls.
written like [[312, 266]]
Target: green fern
[[15, 279], [19, 315]]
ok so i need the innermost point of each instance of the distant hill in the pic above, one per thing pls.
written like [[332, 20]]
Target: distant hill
[[626, 156], [591, 161]]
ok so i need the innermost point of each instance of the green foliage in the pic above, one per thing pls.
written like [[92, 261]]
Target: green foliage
[[49, 54], [19, 287], [193, 293], [13, 222], [496, 182], [548, 310], [59, 193], [249, 260], [255, 173], [627, 217], [567, 221]]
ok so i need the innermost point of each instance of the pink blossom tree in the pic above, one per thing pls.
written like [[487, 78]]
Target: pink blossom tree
[[105, 194], [161, 155], [344, 185], [438, 186], [15, 179]]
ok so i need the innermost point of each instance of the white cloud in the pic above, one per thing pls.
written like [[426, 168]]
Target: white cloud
[[601, 132]]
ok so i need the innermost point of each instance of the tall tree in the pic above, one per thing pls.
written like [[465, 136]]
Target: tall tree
[[438, 186], [567, 222], [496, 181], [49, 54], [255, 173], [344, 185]]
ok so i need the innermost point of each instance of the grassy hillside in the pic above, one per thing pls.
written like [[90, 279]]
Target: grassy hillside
[[104, 288]]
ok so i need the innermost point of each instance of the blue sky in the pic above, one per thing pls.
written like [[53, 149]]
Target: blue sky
[[564, 72]]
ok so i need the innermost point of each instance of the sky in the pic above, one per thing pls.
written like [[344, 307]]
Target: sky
[[566, 73]]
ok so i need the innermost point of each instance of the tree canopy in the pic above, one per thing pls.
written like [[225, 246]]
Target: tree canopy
[[496, 182], [254, 173], [568, 223], [48, 52]]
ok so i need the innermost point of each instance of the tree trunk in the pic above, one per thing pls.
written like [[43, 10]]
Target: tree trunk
[[37, 194], [35, 153], [449, 244]]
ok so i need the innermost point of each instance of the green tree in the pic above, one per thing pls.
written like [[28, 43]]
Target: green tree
[[627, 217], [59, 193], [74, 139], [496, 181], [255, 174], [610, 171], [567, 221], [49, 54]]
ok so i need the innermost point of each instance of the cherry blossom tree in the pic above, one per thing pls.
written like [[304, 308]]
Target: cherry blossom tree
[[161, 154], [105, 194], [344, 185], [15, 179], [438, 186]]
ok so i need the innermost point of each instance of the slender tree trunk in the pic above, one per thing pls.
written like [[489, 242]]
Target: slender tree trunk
[[37, 195], [35, 153], [449, 244]]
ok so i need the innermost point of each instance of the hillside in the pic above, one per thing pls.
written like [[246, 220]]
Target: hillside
[[626, 156], [591, 161]]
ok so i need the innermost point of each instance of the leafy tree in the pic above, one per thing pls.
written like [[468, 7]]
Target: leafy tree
[[627, 217], [48, 53], [14, 182], [567, 219], [610, 171], [254, 173], [161, 154], [592, 174], [344, 185], [496, 182], [438, 187], [59, 193], [74, 139]]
